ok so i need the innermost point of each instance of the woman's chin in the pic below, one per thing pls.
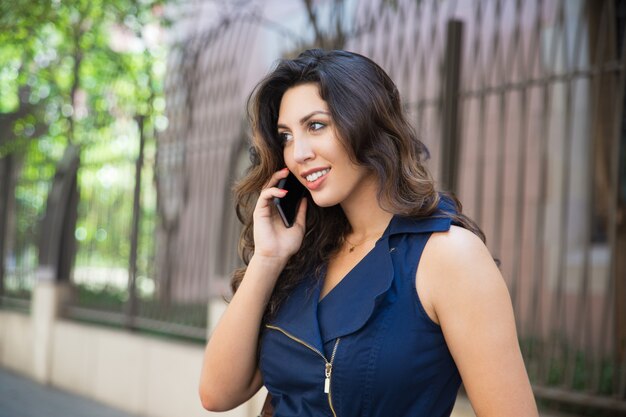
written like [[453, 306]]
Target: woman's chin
[[320, 201]]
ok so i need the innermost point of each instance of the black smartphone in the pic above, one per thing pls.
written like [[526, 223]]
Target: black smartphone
[[288, 205]]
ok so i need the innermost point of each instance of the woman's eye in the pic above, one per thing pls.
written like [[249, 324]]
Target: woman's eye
[[284, 137], [316, 125]]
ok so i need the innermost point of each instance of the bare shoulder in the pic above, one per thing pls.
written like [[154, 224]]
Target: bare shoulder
[[467, 296], [457, 245], [456, 268]]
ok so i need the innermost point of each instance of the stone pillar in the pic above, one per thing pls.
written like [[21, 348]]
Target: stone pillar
[[48, 296]]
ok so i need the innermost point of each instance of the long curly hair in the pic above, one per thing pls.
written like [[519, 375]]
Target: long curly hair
[[369, 120]]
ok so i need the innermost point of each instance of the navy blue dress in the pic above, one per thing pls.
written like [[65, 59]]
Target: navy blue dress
[[368, 348]]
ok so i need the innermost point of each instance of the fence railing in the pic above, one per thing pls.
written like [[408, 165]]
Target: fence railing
[[536, 89], [115, 279], [541, 165], [23, 191], [528, 97], [112, 246]]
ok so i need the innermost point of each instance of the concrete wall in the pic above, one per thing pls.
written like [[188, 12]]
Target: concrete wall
[[139, 374], [16, 342]]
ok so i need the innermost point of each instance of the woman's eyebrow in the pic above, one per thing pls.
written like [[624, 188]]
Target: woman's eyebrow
[[305, 118], [313, 113]]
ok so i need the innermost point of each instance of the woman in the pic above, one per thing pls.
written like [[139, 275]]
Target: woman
[[382, 297]]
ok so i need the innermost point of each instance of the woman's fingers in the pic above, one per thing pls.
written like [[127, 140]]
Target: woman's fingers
[[268, 194], [277, 176], [270, 190]]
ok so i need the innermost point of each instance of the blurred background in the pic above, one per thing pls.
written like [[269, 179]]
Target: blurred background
[[123, 128]]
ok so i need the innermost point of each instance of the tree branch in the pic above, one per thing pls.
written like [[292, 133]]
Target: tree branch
[[319, 36]]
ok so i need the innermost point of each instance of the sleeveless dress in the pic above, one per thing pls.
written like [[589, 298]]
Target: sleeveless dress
[[368, 348]]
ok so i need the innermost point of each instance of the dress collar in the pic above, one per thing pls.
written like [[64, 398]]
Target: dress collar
[[439, 221], [350, 304]]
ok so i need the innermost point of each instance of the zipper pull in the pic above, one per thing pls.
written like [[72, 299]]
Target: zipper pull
[[327, 372]]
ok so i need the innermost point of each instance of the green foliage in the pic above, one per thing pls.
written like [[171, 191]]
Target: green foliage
[[81, 71], [76, 66]]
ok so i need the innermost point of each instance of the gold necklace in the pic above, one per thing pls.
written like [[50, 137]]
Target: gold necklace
[[353, 245]]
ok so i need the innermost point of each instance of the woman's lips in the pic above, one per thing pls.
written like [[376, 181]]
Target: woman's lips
[[314, 185]]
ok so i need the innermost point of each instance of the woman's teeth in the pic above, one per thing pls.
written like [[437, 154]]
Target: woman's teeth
[[312, 177]]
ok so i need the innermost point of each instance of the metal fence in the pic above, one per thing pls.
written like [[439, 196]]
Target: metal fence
[[522, 106], [111, 245], [114, 278], [19, 214]]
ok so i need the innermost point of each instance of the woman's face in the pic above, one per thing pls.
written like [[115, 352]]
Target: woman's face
[[313, 152]]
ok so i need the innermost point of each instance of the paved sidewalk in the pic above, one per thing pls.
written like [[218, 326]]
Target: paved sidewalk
[[22, 397], [462, 408]]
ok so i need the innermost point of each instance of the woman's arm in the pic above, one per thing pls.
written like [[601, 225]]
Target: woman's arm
[[469, 299], [230, 374]]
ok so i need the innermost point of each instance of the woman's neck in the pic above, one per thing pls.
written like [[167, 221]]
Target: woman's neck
[[365, 215]]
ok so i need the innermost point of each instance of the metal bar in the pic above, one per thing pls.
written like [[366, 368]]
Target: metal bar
[[132, 307], [20, 304], [602, 53], [5, 190], [555, 310], [616, 222], [620, 217], [520, 186], [480, 171], [535, 332], [581, 315], [492, 69], [561, 343], [478, 67], [579, 398], [520, 217], [608, 67], [621, 389], [204, 134], [111, 317], [557, 307], [450, 147]]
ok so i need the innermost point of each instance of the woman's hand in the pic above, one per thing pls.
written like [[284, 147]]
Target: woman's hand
[[272, 239], [230, 373]]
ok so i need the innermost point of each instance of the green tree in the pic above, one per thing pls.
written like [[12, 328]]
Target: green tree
[[76, 72]]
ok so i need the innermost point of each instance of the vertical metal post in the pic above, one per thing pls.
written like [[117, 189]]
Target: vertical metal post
[[132, 307], [619, 269], [5, 187], [450, 146], [617, 224]]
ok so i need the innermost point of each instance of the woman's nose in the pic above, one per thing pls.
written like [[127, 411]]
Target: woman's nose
[[302, 150]]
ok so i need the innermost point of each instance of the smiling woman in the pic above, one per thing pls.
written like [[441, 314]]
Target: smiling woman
[[312, 151], [382, 297]]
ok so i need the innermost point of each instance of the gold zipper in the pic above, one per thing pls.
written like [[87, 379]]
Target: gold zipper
[[328, 371], [328, 368]]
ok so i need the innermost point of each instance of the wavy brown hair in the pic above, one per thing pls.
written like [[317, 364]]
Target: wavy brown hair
[[367, 114]]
